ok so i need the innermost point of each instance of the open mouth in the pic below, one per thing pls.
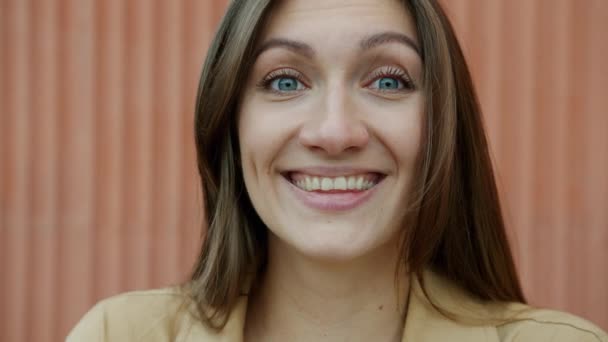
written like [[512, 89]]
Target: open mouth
[[323, 184]]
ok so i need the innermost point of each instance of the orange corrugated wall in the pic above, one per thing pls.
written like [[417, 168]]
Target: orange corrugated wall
[[98, 189]]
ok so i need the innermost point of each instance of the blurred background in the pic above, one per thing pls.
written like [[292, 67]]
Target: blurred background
[[98, 185]]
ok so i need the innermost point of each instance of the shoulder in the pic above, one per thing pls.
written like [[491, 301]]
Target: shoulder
[[507, 322], [532, 324], [152, 315]]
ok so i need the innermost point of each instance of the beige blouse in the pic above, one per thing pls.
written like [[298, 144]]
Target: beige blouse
[[165, 315]]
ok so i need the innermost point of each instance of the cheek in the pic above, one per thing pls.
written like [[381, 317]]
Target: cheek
[[406, 138], [261, 137], [400, 130]]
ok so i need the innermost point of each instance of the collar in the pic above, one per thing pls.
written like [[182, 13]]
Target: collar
[[423, 322]]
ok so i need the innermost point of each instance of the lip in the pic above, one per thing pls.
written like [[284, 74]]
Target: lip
[[332, 201]]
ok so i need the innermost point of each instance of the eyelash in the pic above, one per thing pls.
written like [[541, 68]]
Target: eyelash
[[391, 71], [272, 76]]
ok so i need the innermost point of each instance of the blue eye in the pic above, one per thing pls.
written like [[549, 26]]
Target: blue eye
[[388, 83], [286, 84]]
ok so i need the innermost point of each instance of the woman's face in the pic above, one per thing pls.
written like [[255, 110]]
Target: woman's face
[[330, 125]]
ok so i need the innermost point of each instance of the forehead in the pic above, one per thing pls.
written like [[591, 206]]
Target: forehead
[[335, 21]]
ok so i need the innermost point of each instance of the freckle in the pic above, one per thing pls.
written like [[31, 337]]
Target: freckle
[[381, 307]]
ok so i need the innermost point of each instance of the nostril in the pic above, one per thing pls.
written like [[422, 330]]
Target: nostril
[[335, 134]]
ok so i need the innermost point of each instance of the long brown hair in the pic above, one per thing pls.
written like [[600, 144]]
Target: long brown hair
[[456, 228]]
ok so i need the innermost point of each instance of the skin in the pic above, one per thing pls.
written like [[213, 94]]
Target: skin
[[331, 273]]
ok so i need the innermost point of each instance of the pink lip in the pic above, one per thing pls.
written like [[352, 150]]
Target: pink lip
[[332, 201]]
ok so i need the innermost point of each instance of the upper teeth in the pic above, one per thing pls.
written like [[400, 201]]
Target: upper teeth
[[311, 183]]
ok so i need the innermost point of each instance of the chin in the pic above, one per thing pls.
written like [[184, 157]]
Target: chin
[[332, 254], [337, 243]]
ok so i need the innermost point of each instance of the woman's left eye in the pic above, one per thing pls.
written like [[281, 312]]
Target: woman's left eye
[[286, 84], [388, 83], [390, 80]]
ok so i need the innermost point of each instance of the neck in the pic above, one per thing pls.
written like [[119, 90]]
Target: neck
[[303, 299]]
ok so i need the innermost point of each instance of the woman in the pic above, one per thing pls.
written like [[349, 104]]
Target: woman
[[349, 192]]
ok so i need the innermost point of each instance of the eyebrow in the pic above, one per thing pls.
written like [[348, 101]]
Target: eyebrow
[[292, 45], [388, 37], [368, 43]]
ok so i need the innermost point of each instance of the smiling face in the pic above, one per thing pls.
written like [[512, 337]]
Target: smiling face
[[330, 125]]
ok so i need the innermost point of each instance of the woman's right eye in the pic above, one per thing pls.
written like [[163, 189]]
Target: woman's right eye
[[283, 82], [286, 84]]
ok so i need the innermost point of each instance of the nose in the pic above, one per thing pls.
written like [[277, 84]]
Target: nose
[[334, 128]]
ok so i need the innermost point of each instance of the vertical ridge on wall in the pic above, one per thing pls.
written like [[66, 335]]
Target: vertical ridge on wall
[[542, 134], [544, 194], [138, 143], [483, 32], [578, 151], [43, 264], [595, 182], [167, 88], [109, 147], [16, 185], [517, 122], [76, 158], [565, 136]]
